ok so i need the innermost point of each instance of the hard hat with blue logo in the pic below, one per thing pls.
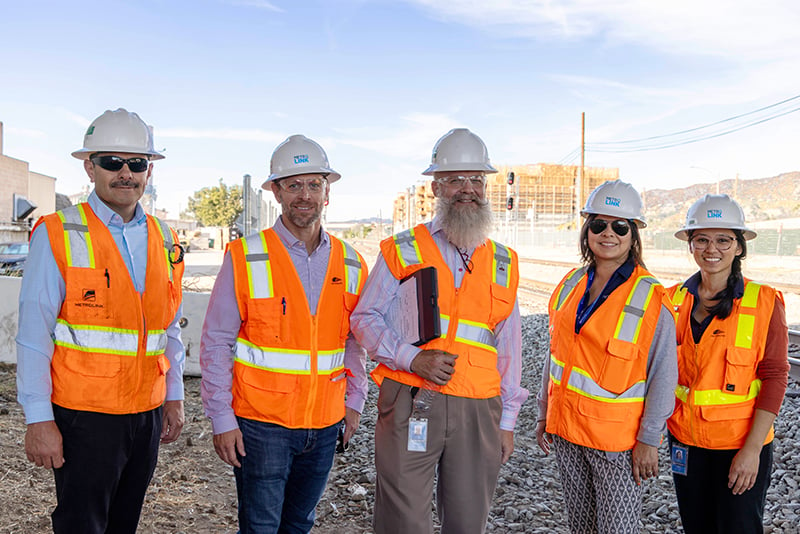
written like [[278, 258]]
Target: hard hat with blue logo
[[459, 150], [616, 199], [299, 155], [118, 131], [714, 211]]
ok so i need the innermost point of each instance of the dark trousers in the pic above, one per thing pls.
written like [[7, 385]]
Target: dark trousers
[[708, 506], [108, 463]]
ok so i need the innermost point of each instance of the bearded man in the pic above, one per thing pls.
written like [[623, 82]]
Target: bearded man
[[469, 376], [276, 353]]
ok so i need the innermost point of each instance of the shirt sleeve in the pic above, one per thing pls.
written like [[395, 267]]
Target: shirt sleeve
[[508, 335], [42, 292], [217, 342], [355, 360], [662, 377], [176, 355], [373, 319], [773, 370]]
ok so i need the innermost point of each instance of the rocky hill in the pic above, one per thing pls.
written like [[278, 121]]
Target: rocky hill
[[777, 197]]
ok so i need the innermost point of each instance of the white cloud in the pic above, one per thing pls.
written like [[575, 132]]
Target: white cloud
[[735, 29]]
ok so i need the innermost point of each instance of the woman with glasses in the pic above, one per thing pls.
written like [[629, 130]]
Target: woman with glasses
[[732, 360], [607, 388]]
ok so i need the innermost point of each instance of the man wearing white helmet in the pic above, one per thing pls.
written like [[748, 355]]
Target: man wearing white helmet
[[280, 367], [99, 352], [448, 407]]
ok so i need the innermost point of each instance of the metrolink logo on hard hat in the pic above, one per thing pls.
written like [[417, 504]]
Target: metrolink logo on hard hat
[[90, 131], [714, 214], [301, 158], [613, 201]]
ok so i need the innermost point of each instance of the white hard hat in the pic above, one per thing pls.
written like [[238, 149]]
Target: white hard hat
[[714, 211], [118, 131], [616, 199], [459, 150], [299, 155]]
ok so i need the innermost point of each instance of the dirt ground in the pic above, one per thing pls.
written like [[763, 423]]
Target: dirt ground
[[192, 490]]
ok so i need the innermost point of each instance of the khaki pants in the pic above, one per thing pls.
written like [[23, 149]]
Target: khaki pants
[[464, 451]]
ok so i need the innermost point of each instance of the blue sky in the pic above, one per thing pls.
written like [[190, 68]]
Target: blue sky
[[377, 82]]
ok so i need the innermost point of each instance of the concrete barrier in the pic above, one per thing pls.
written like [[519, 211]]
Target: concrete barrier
[[194, 311]]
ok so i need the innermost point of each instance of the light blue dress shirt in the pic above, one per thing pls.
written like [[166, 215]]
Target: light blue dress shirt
[[42, 294]]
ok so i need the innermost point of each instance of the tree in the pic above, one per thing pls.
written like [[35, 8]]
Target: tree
[[216, 206]]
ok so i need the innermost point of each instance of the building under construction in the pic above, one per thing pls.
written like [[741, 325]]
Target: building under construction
[[543, 195]]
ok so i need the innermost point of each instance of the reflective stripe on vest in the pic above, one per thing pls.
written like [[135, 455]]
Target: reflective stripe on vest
[[747, 318], [678, 298], [556, 369], [581, 383], [501, 264], [568, 285], [77, 241], [716, 397], [296, 362], [169, 243], [408, 253], [470, 333], [259, 269], [107, 340], [352, 269], [630, 321]]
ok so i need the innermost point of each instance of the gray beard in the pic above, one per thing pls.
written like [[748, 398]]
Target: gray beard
[[465, 227]]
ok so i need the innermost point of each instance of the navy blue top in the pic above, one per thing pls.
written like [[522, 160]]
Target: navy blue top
[[586, 308]]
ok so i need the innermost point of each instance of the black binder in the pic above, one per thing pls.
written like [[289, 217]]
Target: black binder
[[427, 308]]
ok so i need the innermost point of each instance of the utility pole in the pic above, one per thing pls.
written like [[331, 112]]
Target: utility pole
[[579, 177]]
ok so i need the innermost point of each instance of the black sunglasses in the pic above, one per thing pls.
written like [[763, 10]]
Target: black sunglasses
[[620, 226], [115, 163]]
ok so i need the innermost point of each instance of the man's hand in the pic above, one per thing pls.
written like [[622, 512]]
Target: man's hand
[[542, 437], [43, 445], [644, 462], [351, 420], [507, 444], [435, 365], [172, 422], [228, 444]]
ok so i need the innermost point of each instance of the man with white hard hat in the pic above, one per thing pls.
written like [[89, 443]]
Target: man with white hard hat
[[99, 352], [463, 431], [280, 367]]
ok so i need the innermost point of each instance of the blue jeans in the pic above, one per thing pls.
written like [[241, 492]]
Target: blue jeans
[[282, 477]]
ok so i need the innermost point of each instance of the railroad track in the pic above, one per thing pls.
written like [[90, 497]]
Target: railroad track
[[794, 354]]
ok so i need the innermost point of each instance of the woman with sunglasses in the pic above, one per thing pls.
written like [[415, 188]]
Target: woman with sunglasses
[[732, 360], [608, 386]]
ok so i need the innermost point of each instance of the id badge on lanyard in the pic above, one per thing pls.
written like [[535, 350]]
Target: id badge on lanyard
[[418, 434]]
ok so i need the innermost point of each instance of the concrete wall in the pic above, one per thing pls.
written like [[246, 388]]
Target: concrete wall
[[42, 192], [194, 311]]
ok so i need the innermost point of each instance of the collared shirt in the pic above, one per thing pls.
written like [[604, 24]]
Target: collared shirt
[[586, 308], [42, 294], [222, 324], [376, 321]]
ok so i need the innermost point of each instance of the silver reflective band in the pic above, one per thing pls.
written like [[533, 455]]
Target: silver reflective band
[[568, 285], [406, 245], [502, 264], [77, 240], [470, 333], [556, 369], [287, 361], [630, 320], [156, 342], [580, 382], [259, 269], [96, 339], [352, 269]]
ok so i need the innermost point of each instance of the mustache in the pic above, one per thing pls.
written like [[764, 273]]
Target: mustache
[[126, 183], [469, 196]]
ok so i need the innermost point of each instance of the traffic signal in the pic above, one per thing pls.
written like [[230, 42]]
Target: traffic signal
[[234, 232], [510, 178], [510, 203]]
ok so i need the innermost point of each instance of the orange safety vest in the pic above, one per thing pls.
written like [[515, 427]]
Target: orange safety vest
[[596, 392], [717, 381], [468, 314], [288, 367], [109, 340]]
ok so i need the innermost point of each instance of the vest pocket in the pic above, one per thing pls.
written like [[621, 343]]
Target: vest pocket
[[87, 295], [605, 411], [268, 318], [618, 364], [739, 370], [95, 364]]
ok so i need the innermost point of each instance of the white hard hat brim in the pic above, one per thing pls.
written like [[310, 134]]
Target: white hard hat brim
[[84, 153], [330, 175], [641, 223], [447, 167]]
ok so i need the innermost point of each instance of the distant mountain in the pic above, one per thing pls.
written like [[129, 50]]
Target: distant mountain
[[761, 199]]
